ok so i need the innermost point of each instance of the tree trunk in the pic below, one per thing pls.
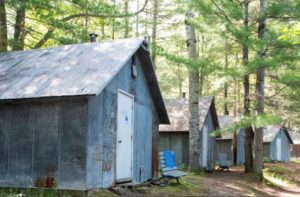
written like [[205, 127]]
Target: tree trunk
[[19, 33], [126, 19], [154, 29], [248, 132], [235, 113], [3, 27], [260, 95], [226, 112], [113, 23], [202, 68], [137, 19], [194, 133]]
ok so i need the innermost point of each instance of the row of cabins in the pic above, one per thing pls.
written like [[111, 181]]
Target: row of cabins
[[277, 142], [87, 116]]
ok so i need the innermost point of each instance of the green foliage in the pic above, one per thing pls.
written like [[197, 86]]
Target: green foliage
[[281, 172], [14, 192]]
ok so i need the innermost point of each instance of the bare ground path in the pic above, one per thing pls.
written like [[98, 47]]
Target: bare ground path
[[236, 183]]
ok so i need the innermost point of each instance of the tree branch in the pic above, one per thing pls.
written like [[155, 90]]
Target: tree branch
[[70, 17]]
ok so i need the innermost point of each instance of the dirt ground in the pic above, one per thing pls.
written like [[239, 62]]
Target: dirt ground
[[236, 183], [232, 183]]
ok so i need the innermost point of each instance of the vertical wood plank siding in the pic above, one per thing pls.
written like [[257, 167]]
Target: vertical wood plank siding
[[41, 139], [73, 139], [144, 126]]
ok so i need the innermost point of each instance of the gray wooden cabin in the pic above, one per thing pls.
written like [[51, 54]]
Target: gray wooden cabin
[[176, 135], [295, 149], [79, 116], [276, 144], [224, 142]]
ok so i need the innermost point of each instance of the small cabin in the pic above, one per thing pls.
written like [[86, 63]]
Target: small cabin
[[176, 135], [79, 117], [276, 143], [224, 142], [295, 149]]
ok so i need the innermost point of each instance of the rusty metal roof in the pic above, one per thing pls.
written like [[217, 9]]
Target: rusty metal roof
[[178, 111], [72, 70]]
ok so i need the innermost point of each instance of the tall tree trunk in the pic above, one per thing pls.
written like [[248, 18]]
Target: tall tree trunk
[[248, 131], [3, 27], [113, 23], [154, 29], [19, 32], [260, 94], [126, 19], [235, 113], [194, 133], [103, 28], [137, 19], [226, 112]]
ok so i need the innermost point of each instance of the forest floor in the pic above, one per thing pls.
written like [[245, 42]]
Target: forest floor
[[232, 183]]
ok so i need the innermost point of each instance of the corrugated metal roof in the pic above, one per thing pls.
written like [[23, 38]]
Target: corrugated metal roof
[[178, 111], [225, 122], [72, 70], [81, 69], [295, 135]]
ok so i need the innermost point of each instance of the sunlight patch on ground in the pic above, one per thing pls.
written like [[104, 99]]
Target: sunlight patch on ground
[[279, 183]]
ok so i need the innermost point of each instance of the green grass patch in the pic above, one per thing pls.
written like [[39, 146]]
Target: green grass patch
[[188, 186], [282, 173], [16, 192]]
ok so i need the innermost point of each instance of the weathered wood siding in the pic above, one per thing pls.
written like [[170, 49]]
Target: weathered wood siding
[[211, 156], [177, 142], [224, 146], [295, 152], [43, 138], [101, 170], [240, 147], [285, 147]]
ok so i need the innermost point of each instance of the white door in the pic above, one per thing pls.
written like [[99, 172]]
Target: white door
[[278, 147], [124, 137], [204, 145]]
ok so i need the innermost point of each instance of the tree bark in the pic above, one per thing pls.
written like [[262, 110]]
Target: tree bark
[[260, 95], [113, 23], [248, 131], [137, 19], [194, 133], [3, 27], [226, 112], [126, 19], [19, 31], [235, 113], [154, 29]]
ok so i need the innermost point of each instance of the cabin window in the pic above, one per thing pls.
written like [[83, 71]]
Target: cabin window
[[133, 68]]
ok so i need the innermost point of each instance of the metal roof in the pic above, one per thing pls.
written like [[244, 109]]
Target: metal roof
[[225, 122], [72, 70], [178, 111], [295, 135], [271, 131]]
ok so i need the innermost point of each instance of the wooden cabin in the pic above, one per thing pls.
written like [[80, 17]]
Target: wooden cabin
[[224, 142], [80, 116], [176, 135], [276, 144], [295, 149]]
